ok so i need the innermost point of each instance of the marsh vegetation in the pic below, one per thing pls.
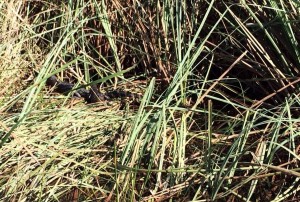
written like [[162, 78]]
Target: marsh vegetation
[[218, 119]]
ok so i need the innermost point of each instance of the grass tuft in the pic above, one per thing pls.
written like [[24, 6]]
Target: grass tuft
[[217, 119]]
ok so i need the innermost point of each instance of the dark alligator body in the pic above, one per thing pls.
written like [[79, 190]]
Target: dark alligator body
[[90, 96]]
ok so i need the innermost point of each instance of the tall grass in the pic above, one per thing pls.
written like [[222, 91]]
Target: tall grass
[[218, 119]]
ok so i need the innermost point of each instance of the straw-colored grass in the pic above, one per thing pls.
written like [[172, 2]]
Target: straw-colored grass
[[218, 119]]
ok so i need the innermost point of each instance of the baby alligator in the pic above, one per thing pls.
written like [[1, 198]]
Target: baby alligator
[[90, 96]]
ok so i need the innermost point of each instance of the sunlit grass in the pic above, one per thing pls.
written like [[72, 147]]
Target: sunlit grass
[[218, 119]]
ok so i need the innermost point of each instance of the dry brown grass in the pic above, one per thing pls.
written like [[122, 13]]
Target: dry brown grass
[[219, 119]]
